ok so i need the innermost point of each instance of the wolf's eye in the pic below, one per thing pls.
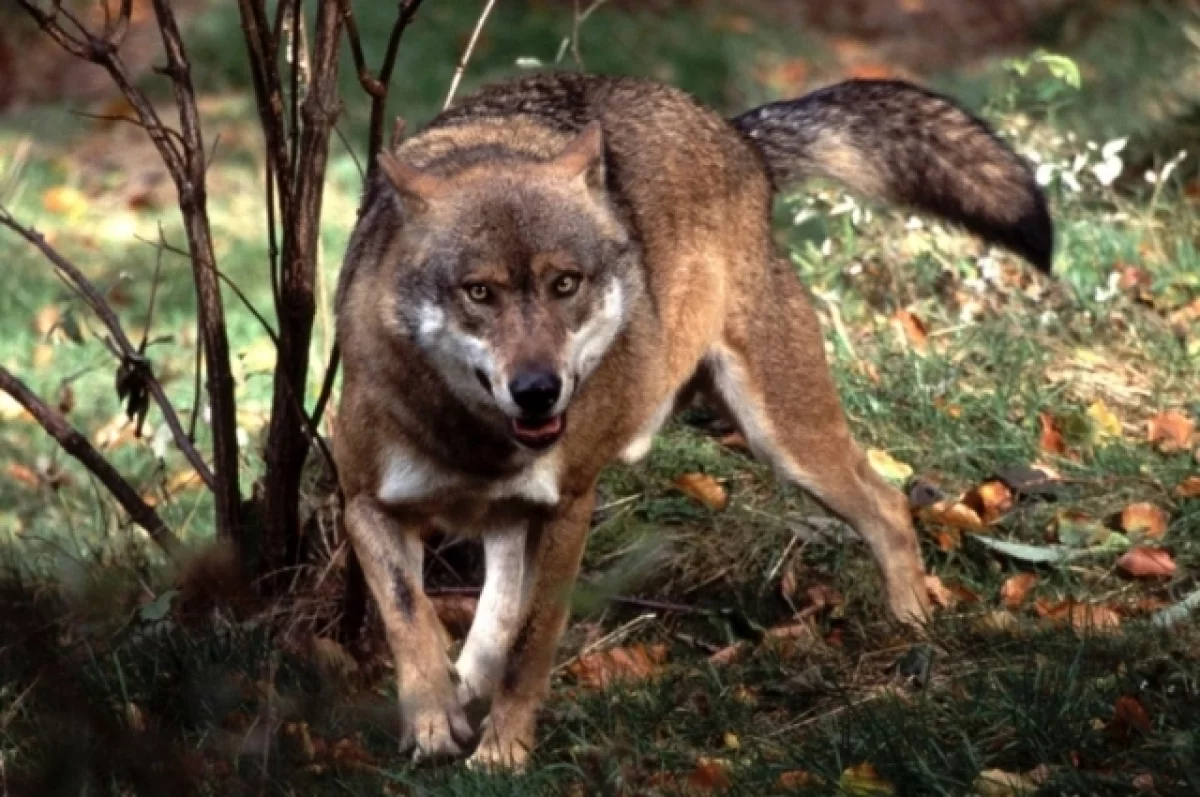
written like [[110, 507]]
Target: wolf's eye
[[478, 293], [566, 285]]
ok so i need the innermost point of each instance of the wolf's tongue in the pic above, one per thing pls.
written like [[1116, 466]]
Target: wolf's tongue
[[546, 427]]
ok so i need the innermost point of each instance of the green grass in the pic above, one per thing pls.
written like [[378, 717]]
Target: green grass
[[89, 658]]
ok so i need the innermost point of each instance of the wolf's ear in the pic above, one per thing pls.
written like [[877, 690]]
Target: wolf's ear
[[416, 187], [583, 158]]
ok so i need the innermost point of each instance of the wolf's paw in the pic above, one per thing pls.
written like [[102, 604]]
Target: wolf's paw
[[500, 752], [436, 731]]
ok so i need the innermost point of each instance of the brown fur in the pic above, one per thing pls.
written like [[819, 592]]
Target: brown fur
[[625, 183]]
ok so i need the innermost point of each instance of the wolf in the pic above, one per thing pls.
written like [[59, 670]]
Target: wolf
[[540, 277]]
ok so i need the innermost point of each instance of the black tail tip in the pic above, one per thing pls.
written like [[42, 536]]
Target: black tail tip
[[1032, 235]]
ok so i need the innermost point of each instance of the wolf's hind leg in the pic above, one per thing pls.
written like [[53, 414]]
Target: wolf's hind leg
[[770, 373], [432, 720]]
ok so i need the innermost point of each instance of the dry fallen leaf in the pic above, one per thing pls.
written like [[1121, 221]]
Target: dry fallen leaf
[[1105, 424], [634, 663], [703, 488], [863, 781], [1147, 563], [1051, 440], [912, 329], [22, 475], [64, 200], [939, 593], [998, 783], [1170, 430], [1145, 520], [990, 500], [1188, 488], [889, 467], [1016, 589], [1128, 715], [796, 779], [954, 514], [710, 774], [1083, 617]]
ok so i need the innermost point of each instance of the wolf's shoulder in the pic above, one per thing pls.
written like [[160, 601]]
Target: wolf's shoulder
[[565, 101]]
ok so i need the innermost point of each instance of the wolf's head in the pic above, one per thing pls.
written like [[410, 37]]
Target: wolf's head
[[517, 278]]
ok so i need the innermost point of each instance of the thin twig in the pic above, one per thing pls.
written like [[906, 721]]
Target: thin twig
[[466, 56], [71, 273], [77, 445], [377, 87]]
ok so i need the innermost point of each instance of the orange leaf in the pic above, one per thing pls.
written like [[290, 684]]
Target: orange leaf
[[1147, 563], [710, 774], [912, 329], [795, 780], [1051, 440], [863, 781], [1170, 430], [1144, 519], [727, 655], [64, 199], [1016, 589], [953, 514], [1188, 488], [990, 500], [948, 539], [1080, 616], [703, 488], [938, 593], [1128, 715], [788, 77], [22, 475], [635, 663], [734, 440]]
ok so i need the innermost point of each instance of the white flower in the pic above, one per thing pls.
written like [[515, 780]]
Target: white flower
[[975, 285], [1078, 164], [827, 247], [1171, 164], [1151, 177], [847, 205], [1045, 173], [1108, 170], [989, 269], [803, 215], [855, 269], [914, 223], [1110, 290]]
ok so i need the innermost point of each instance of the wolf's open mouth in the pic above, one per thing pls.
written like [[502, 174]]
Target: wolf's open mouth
[[540, 433]]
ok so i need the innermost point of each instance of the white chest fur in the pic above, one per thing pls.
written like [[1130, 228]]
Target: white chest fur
[[409, 477]]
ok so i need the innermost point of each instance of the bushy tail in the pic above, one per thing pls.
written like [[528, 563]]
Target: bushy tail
[[891, 140]]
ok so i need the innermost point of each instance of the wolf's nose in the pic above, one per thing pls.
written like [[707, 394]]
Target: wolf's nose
[[535, 392]]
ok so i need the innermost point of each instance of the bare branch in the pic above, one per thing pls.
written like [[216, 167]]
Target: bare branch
[[77, 445], [466, 56], [124, 348]]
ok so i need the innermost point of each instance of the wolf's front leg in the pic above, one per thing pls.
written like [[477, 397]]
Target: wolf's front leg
[[431, 719], [498, 619], [555, 547]]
